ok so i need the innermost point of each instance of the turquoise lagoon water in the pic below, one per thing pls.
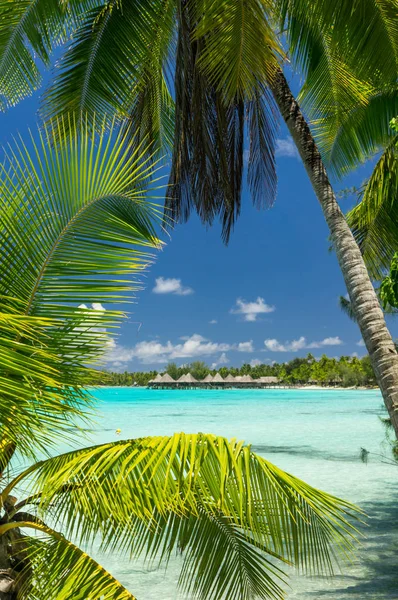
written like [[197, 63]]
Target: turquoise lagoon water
[[316, 435]]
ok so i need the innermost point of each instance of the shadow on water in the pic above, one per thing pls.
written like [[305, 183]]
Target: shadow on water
[[305, 452], [377, 560]]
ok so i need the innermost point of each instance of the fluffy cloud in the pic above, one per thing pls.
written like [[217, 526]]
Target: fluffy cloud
[[251, 310], [361, 342], [255, 362], [153, 351], [274, 345], [245, 346], [222, 360], [213, 322], [164, 285], [286, 147]]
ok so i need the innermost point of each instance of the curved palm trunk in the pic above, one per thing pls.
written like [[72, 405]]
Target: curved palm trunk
[[369, 315]]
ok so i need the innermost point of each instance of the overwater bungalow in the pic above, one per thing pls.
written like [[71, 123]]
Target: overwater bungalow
[[189, 381], [208, 379], [229, 380], [217, 379], [268, 381]]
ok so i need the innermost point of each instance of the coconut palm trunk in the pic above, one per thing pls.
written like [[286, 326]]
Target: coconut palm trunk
[[369, 315]]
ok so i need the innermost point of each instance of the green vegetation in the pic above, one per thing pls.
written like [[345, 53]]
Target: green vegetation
[[346, 371], [198, 79], [76, 224]]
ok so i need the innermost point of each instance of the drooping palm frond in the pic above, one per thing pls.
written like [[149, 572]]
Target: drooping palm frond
[[55, 569], [29, 29], [369, 28], [239, 48], [341, 47], [113, 67], [113, 489], [374, 221], [219, 558], [32, 403], [74, 227], [208, 158], [362, 132]]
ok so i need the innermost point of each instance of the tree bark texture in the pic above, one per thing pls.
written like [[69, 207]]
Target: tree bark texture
[[370, 317]]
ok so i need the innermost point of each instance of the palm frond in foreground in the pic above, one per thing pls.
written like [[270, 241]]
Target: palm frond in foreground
[[236, 518], [75, 227]]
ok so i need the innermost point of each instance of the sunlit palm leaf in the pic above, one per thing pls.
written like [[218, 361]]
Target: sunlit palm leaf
[[363, 131], [341, 47], [77, 214], [374, 220], [56, 569], [29, 29], [108, 489], [108, 66], [219, 558]]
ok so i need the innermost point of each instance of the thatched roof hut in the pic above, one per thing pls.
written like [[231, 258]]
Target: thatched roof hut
[[229, 379], [217, 378], [166, 379], [157, 379], [247, 379], [208, 379], [238, 378], [182, 379], [190, 378]]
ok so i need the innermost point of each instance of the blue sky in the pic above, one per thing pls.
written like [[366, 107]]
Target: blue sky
[[270, 295]]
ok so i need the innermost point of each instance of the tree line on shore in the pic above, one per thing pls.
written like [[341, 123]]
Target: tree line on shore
[[347, 371]]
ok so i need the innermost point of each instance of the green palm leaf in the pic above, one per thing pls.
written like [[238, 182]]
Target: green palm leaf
[[341, 47], [362, 132], [56, 569], [374, 221], [130, 41], [30, 29], [112, 488], [78, 213]]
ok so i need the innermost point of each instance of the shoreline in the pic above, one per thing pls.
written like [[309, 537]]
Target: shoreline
[[293, 387]]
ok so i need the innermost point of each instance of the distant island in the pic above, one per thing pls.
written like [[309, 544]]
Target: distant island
[[346, 371]]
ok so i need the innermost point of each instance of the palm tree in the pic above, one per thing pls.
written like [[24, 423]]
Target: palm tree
[[226, 61], [76, 224]]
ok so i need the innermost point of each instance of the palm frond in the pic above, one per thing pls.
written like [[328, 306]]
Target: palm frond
[[362, 132], [219, 558], [341, 48], [75, 226], [56, 569], [238, 49], [105, 490], [208, 157], [118, 39], [30, 29], [374, 221]]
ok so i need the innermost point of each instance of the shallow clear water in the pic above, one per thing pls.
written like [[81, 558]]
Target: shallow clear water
[[316, 435]]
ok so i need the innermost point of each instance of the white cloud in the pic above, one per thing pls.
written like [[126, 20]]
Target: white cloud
[[286, 147], [213, 322], [361, 342], [246, 346], [164, 285], [255, 362], [329, 341], [222, 360], [295, 345], [153, 351], [251, 310]]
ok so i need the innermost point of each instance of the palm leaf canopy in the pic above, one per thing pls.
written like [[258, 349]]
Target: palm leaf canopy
[[234, 515], [193, 78], [374, 220], [75, 225]]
